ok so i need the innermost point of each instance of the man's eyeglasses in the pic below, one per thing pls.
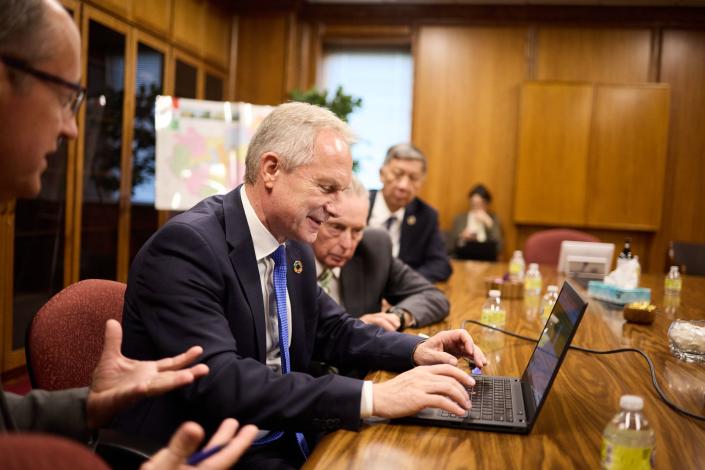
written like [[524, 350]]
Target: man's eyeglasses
[[72, 102]]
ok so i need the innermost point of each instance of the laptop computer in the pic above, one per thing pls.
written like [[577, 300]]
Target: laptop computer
[[512, 404]]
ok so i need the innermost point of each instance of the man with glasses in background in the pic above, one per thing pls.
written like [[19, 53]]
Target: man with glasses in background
[[40, 94], [412, 224]]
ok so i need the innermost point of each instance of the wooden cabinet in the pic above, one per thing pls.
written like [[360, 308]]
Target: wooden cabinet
[[554, 131], [591, 155]]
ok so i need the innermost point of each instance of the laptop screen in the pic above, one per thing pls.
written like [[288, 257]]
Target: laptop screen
[[553, 343]]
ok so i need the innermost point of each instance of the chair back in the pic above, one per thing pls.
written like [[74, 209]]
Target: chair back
[[544, 247], [690, 256], [65, 338], [21, 451]]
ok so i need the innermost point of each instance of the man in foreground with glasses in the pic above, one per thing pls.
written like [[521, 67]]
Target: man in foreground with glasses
[[39, 96], [356, 267], [412, 224]]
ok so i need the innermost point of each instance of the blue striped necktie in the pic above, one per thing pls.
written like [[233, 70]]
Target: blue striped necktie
[[279, 278]]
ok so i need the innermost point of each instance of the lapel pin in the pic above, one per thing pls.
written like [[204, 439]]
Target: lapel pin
[[411, 220], [298, 267]]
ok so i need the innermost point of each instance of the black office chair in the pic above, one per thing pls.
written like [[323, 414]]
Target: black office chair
[[690, 257]]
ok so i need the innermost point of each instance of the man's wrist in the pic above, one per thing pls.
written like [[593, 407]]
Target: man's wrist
[[406, 319], [413, 353]]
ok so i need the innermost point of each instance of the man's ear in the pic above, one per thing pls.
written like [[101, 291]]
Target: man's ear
[[270, 168]]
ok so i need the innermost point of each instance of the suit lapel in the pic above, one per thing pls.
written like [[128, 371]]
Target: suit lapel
[[373, 194], [242, 257], [352, 285], [407, 231]]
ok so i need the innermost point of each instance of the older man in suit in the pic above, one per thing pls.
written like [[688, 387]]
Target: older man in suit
[[236, 274], [412, 224], [356, 267]]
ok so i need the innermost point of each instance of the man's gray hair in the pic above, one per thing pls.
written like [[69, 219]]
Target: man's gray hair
[[405, 152], [24, 28], [290, 131]]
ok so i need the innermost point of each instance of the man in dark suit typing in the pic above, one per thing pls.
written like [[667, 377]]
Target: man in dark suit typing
[[356, 267], [412, 224], [236, 275]]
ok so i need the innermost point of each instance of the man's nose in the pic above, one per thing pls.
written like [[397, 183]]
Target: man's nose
[[345, 239], [404, 182], [69, 128], [332, 205]]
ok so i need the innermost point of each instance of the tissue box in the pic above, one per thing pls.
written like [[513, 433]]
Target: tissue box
[[618, 295]]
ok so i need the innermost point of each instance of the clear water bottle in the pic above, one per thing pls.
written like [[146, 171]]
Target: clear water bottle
[[532, 281], [493, 312], [628, 442], [517, 266], [549, 300], [673, 282]]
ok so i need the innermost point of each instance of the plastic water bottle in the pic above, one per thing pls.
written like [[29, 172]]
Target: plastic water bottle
[[493, 312], [517, 266], [549, 300], [628, 442], [532, 281], [672, 290], [673, 282]]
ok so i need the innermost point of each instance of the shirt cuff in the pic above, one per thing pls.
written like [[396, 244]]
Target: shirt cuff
[[366, 400]]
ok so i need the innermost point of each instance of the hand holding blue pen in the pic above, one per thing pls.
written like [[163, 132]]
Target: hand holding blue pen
[[222, 452]]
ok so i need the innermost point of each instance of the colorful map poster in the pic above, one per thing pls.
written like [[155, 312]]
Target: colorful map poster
[[200, 148]]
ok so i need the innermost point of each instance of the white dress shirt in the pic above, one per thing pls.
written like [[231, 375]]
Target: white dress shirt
[[379, 216], [265, 244]]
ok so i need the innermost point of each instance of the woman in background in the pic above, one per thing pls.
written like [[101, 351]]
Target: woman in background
[[477, 225]]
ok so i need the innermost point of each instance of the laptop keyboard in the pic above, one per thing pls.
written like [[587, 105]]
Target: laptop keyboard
[[491, 399]]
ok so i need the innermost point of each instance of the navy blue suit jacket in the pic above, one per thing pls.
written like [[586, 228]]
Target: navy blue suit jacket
[[421, 245], [195, 282]]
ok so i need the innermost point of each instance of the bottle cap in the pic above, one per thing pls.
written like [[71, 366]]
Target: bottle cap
[[517, 252], [494, 293], [552, 288], [675, 269], [631, 402], [534, 266]]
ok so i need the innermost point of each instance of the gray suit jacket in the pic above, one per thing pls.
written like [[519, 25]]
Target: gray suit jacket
[[62, 412], [373, 274]]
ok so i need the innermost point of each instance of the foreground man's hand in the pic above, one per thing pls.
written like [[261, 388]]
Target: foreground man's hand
[[437, 386], [185, 441], [118, 381], [446, 347]]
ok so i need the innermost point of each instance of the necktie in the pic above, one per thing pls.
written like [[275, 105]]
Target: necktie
[[389, 222], [324, 280], [279, 278]]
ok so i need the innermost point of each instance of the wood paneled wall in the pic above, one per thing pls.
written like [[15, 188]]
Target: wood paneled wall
[[469, 65], [466, 99], [261, 71], [683, 67]]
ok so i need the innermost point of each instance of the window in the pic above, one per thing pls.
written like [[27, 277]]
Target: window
[[382, 77]]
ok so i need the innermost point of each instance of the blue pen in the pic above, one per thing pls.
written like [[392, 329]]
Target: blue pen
[[199, 457]]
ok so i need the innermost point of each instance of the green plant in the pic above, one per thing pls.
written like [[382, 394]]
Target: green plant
[[341, 104]]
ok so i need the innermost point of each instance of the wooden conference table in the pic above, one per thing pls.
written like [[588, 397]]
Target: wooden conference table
[[584, 397]]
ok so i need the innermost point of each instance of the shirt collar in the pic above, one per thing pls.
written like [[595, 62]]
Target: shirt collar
[[320, 268], [382, 210], [264, 242]]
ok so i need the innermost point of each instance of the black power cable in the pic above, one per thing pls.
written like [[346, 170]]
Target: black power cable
[[650, 363]]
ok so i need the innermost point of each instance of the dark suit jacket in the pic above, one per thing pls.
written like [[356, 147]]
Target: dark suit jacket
[[195, 282], [373, 274], [421, 245], [62, 412]]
